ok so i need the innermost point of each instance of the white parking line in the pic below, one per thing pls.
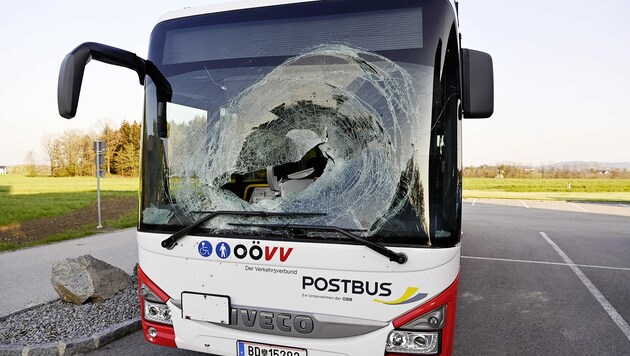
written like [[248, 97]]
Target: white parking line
[[474, 201], [579, 207], [612, 312], [525, 205], [542, 262], [624, 205]]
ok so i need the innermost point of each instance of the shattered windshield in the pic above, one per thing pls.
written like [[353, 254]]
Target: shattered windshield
[[333, 118]]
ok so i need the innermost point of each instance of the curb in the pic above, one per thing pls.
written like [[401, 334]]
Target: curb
[[77, 346]]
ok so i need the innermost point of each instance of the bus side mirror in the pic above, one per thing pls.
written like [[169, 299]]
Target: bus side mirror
[[478, 84], [73, 67]]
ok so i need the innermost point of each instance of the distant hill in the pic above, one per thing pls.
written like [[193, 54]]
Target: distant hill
[[581, 165]]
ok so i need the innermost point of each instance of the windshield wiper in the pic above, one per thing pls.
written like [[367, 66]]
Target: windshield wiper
[[171, 241], [399, 257]]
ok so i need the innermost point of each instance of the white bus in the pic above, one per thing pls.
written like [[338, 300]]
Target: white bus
[[301, 174]]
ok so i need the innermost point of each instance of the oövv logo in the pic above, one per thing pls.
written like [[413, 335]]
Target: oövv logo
[[255, 252]]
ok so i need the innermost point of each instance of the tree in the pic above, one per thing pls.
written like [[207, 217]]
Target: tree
[[52, 147], [72, 153], [87, 158], [31, 164], [111, 138], [127, 160], [126, 149]]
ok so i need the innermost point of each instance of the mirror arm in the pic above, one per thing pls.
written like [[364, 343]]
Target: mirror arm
[[163, 87], [114, 56], [73, 67]]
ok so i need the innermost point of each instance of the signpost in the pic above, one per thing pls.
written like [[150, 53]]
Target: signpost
[[99, 150]]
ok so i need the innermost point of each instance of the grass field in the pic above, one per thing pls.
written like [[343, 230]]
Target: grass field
[[605, 190], [47, 201], [26, 198], [41, 210]]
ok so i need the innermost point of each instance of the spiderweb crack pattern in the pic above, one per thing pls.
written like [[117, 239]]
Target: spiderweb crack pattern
[[358, 108]]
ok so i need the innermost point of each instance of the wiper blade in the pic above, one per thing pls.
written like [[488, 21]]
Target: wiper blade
[[171, 241], [398, 257]]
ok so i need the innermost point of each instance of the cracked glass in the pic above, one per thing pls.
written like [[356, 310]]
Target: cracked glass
[[333, 118]]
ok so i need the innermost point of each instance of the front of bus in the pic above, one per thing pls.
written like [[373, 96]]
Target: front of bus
[[301, 186]]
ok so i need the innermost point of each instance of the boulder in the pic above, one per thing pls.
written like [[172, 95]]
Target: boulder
[[85, 278]]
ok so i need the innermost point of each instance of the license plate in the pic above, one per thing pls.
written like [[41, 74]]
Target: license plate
[[245, 348], [206, 307]]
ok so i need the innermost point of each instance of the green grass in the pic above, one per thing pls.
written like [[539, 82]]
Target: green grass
[[605, 190], [548, 185], [27, 198], [22, 185]]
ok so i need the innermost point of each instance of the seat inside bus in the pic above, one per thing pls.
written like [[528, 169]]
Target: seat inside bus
[[276, 181]]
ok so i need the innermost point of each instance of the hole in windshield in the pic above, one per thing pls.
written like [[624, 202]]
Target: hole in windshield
[[336, 130]]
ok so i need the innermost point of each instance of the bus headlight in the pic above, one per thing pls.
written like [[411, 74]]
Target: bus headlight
[[412, 342], [418, 336], [157, 312]]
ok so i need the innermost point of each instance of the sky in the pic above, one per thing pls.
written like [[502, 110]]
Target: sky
[[561, 71]]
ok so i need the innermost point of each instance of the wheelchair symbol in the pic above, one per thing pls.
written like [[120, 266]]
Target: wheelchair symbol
[[204, 248]]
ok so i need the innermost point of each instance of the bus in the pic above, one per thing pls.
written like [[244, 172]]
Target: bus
[[301, 185]]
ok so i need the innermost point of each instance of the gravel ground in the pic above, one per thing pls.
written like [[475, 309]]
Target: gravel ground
[[62, 321]]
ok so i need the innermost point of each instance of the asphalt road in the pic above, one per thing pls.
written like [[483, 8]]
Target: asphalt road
[[537, 278], [519, 296]]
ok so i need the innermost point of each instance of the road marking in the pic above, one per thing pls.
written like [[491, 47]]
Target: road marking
[[579, 207], [624, 205], [542, 262], [474, 201], [525, 205], [612, 312]]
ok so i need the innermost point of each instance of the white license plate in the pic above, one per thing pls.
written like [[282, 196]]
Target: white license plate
[[205, 307], [244, 348]]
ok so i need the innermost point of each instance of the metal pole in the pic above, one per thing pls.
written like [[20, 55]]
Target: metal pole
[[99, 149], [98, 197], [98, 182]]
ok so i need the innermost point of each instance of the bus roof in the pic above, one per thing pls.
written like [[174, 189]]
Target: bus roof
[[225, 6], [229, 5]]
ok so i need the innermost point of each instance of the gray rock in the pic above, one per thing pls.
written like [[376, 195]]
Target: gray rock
[[86, 278], [49, 349], [78, 346], [11, 350]]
